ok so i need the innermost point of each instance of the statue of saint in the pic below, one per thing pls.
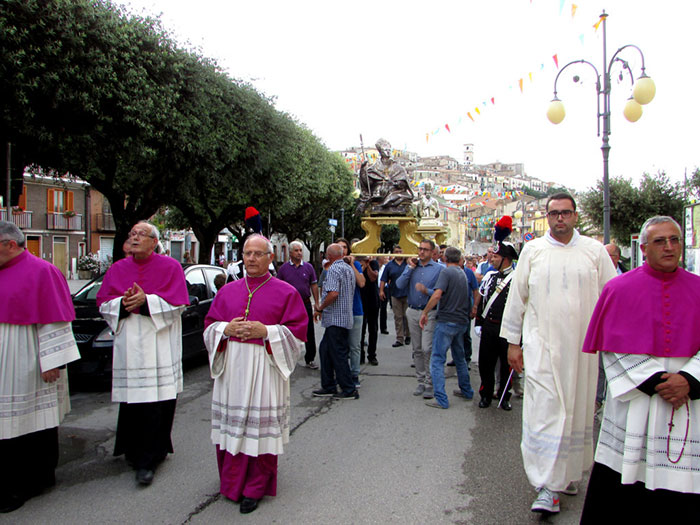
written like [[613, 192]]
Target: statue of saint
[[428, 206], [384, 186]]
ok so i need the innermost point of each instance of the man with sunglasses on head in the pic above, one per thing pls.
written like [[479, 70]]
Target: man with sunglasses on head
[[141, 298], [420, 275], [646, 326], [552, 296]]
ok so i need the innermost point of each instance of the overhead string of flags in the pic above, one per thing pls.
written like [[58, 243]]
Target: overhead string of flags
[[486, 103]]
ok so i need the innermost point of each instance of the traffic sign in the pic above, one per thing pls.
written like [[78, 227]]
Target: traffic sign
[[333, 222]]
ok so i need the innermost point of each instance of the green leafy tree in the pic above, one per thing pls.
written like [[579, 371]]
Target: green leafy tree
[[94, 92], [692, 185], [630, 206]]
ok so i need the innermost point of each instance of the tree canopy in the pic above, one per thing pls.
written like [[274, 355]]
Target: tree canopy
[[630, 206], [109, 97]]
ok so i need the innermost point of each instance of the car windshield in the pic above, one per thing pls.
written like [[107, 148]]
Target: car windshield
[[88, 293]]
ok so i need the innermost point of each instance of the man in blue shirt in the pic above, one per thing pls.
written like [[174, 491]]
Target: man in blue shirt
[[399, 299], [420, 275]]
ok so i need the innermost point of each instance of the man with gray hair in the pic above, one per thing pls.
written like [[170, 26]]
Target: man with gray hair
[[301, 275], [646, 326], [141, 298], [36, 342]]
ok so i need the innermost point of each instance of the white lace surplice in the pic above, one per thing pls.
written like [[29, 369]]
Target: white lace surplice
[[250, 400], [634, 432], [147, 362], [27, 403]]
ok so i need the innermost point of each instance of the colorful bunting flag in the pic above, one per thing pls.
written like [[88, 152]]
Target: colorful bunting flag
[[520, 83], [600, 21], [470, 116], [573, 10], [556, 60], [447, 127], [477, 110]]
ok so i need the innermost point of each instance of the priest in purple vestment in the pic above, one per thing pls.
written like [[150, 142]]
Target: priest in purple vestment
[[36, 342], [646, 325], [255, 332], [142, 298]]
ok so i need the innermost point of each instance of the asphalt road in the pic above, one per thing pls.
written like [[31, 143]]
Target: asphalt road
[[385, 458]]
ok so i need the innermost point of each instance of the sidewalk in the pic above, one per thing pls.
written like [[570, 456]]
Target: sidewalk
[[76, 284]]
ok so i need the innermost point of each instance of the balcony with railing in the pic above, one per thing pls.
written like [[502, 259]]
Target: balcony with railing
[[21, 219], [105, 222], [64, 221]]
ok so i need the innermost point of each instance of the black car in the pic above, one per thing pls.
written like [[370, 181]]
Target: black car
[[95, 339]]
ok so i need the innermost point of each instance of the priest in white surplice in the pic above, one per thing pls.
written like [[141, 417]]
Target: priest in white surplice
[[142, 298], [552, 295], [255, 333], [646, 326], [36, 342]]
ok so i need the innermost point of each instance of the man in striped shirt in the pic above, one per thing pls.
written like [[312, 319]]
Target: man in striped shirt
[[335, 312]]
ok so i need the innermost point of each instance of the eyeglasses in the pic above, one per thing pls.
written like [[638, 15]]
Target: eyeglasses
[[660, 242], [139, 233], [254, 255], [421, 249], [565, 214]]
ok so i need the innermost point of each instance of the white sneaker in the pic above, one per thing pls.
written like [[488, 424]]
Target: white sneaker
[[547, 501], [571, 489]]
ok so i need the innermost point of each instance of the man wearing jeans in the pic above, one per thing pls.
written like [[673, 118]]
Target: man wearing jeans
[[335, 313], [420, 275], [452, 320]]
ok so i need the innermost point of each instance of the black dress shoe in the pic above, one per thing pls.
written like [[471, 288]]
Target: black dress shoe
[[397, 344], [385, 332], [248, 505], [144, 476], [484, 403], [506, 405], [10, 503], [373, 361], [408, 341]]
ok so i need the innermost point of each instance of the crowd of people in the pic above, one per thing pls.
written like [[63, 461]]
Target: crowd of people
[[562, 313]]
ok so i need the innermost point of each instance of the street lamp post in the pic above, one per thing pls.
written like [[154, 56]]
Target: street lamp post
[[643, 92]]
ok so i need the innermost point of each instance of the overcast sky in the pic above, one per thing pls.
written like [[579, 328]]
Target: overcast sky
[[404, 69]]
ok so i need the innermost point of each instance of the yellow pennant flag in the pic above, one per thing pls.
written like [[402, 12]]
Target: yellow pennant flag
[[597, 24], [470, 116], [530, 75], [427, 135], [520, 83], [477, 111], [573, 10]]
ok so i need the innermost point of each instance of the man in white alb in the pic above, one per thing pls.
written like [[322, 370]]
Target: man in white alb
[[552, 295]]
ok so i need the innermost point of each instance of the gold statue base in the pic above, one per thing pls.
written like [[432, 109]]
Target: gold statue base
[[372, 225], [435, 232]]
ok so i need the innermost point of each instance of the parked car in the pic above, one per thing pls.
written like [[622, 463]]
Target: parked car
[[95, 339]]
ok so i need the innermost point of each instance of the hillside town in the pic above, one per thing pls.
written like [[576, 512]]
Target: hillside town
[[70, 223]]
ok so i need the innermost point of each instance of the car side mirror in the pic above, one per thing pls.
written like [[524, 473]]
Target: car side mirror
[[194, 300]]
